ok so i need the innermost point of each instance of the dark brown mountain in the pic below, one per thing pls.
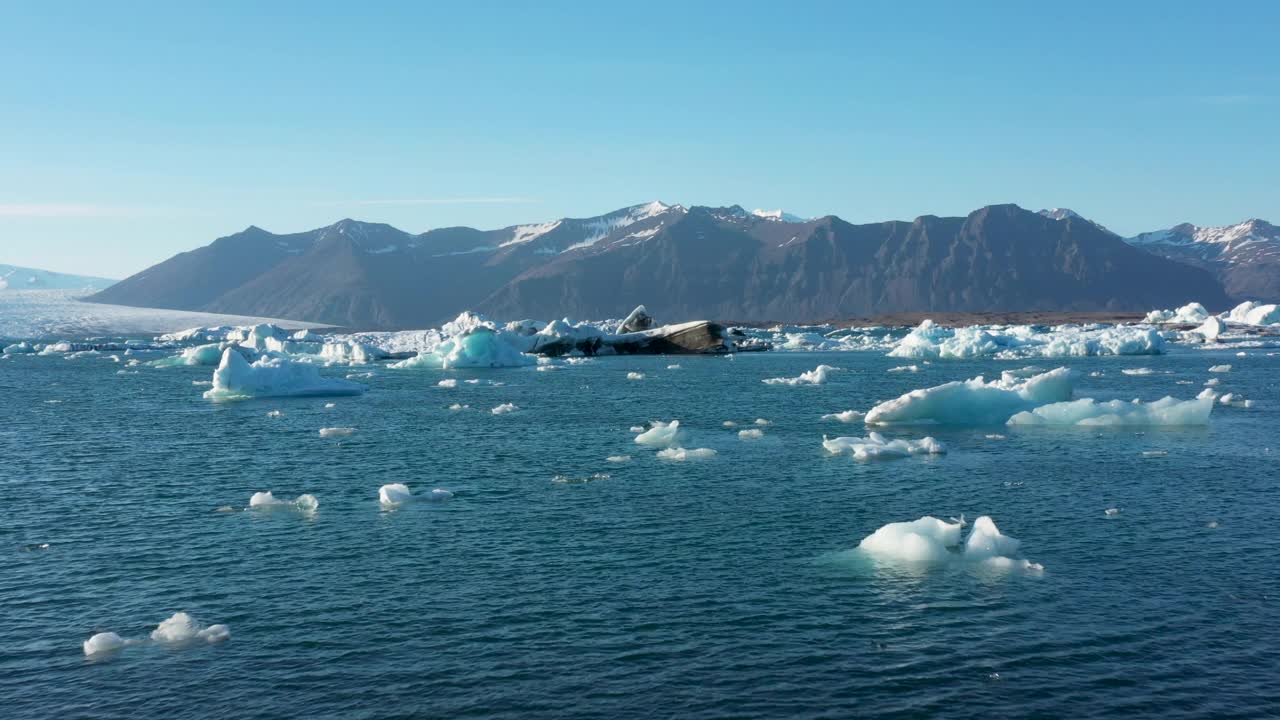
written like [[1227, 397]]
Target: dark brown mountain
[[719, 263]]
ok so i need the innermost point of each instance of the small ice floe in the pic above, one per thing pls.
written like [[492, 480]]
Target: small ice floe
[[478, 381], [930, 541], [673, 367], [618, 459], [762, 421], [905, 368], [34, 547], [1184, 382], [994, 436], [876, 447], [1111, 512], [394, 494], [661, 433], [547, 368], [729, 424], [1212, 382], [816, 376], [1138, 371], [1234, 400], [638, 428], [335, 432], [1097, 373], [201, 383], [329, 406], [1212, 524], [306, 502], [275, 413], [1220, 369], [458, 406], [579, 360], [179, 629], [848, 416], [635, 376], [505, 408], [1242, 354], [1089, 412], [1154, 453], [447, 383], [570, 480], [752, 434], [680, 454]]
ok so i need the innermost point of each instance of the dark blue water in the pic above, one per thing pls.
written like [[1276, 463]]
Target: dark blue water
[[715, 588]]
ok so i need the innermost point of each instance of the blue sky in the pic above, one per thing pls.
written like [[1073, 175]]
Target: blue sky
[[132, 131]]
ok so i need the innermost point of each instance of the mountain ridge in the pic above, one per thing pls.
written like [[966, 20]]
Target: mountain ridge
[[698, 261]]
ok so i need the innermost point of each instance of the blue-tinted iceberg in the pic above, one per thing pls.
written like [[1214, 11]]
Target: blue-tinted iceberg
[[974, 402], [1091, 413], [236, 379], [876, 447]]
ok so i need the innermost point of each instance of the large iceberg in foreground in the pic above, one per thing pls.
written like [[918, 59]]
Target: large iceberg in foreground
[[236, 379], [1089, 412], [876, 447], [974, 402], [930, 541]]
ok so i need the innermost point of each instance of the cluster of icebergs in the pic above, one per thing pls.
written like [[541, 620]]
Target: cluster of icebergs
[[178, 629]]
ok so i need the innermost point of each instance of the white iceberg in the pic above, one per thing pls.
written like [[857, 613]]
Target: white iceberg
[[181, 627], [848, 416], [505, 408], [930, 341], [816, 376], [1253, 313], [307, 503], [974, 402], [334, 432], [348, 352], [1220, 369], [1091, 413], [661, 433], [635, 376], [235, 378], [393, 494], [22, 348], [930, 541], [680, 454], [876, 447], [752, 434], [1211, 329], [103, 642], [1189, 314]]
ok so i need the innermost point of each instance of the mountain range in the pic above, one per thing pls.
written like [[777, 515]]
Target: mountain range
[[13, 277], [723, 263]]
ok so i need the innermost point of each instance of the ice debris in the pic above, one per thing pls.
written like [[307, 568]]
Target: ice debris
[[752, 434], [306, 502], [816, 376], [505, 408], [680, 454], [876, 447], [848, 416], [334, 432], [393, 494]]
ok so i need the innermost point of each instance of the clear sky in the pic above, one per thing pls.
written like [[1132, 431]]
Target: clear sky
[[132, 131]]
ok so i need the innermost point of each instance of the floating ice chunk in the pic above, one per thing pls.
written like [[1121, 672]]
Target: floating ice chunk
[[673, 367], [1189, 314], [930, 341], [103, 642], [1111, 512], [1138, 371], [332, 432], [307, 503], [476, 344], [349, 352], [236, 379], [505, 408], [848, 416], [458, 406], [661, 433], [876, 447], [973, 402], [569, 480], [1253, 313], [1154, 453], [181, 627], [752, 434], [1211, 329], [816, 376], [1207, 393], [928, 541], [1212, 382], [547, 368], [1089, 412], [22, 348], [1220, 369], [447, 383], [920, 541], [399, 493], [680, 454], [635, 376], [1235, 401], [994, 436], [905, 368], [275, 413], [762, 421], [618, 458], [638, 428], [729, 423], [329, 406]]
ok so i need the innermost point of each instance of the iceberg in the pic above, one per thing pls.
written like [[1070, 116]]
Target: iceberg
[[752, 434], [680, 454], [305, 502], [1220, 369], [930, 541], [1253, 313], [181, 627], [1211, 329], [236, 379], [974, 402], [1189, 314], [22, 348], [103, 642], [816, 376], [349, 352], [876, 447], [394, 494], [1091, 413], [661, 433], [202, 355], [480, 346], [635, 376], [929, 341], [848, 416], [505, 408]]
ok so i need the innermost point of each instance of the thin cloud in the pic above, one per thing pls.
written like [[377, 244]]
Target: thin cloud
[[70, 210], [437, 201]]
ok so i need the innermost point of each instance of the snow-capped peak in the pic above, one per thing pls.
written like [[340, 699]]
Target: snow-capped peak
[[1061, 213], [778, 216]]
